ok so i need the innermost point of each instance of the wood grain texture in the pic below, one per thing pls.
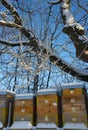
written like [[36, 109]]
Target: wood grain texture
[[76, 91], [76, 108], [71, 99], [75, 118]]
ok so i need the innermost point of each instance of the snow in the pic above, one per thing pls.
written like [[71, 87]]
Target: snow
[[27, 125], [4, 92], [46, 125], [72, 85], [21, 125], [1, 125], [69, 17], [67, 13], [47, 91], [75, 126], [24, 96], [84, 39]]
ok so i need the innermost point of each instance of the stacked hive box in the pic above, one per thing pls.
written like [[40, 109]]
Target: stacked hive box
[[47, 107], [23, 107], [6, 107], [73, 105], [86, 98]]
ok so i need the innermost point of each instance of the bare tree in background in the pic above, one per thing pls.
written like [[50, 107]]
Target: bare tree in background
[[34, 43]]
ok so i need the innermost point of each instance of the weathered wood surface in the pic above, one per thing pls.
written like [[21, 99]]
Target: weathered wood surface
[[71, 99], [23, 110], [47, 108], [76, 91], [74, 106]]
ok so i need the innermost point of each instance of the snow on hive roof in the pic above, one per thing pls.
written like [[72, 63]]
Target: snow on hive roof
[[47, 91], [72, 85], [24, 96], [21, 125], [46, 125], [6, 92], [76, 126]]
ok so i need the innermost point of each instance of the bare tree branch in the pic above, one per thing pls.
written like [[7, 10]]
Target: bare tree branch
[[82, 75], [73, 29], [13, 11], [55, 2]]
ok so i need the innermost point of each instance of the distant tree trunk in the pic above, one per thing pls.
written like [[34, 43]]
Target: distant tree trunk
[[15, 76]]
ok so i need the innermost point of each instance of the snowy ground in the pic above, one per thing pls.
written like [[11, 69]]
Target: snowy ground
[[49, 126]]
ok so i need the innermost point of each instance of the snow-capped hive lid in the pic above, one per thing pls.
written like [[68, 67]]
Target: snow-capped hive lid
[[47, 91], [7, 92], [24, 96], [72, 85]]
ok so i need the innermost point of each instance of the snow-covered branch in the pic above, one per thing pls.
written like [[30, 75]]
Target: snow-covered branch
[[13, 11], [14, 44], [23, 30], [55, 2], [72, 28], [75, 31]]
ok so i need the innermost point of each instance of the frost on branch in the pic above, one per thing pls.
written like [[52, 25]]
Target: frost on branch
[[75, 31], [33, 42]]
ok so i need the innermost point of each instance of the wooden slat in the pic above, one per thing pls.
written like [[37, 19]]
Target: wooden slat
[[46, 98], [75, 118], [24, 109], [73, 99], [23, 102], [76, 91], [76, 108], [21, 117], [47, 118]]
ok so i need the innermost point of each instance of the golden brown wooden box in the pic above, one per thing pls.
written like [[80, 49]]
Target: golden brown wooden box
[[23, 108], [6, 107], [47, 107]]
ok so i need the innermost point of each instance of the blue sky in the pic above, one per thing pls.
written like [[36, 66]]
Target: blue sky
[[36, 21]]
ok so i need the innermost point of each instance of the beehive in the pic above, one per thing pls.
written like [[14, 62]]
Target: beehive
[[74, 105], [23, 107], [86, 98], [47, 106], [6, 107]]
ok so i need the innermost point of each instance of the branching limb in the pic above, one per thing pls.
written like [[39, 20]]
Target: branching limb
[[23, 30], [34, 42], [13, 11], [82, 75], [75, 31]]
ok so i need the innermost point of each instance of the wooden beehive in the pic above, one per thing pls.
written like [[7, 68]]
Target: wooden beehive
[[23, 107], [86, 99], [74, 105], [6, 107], [47, 106]]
